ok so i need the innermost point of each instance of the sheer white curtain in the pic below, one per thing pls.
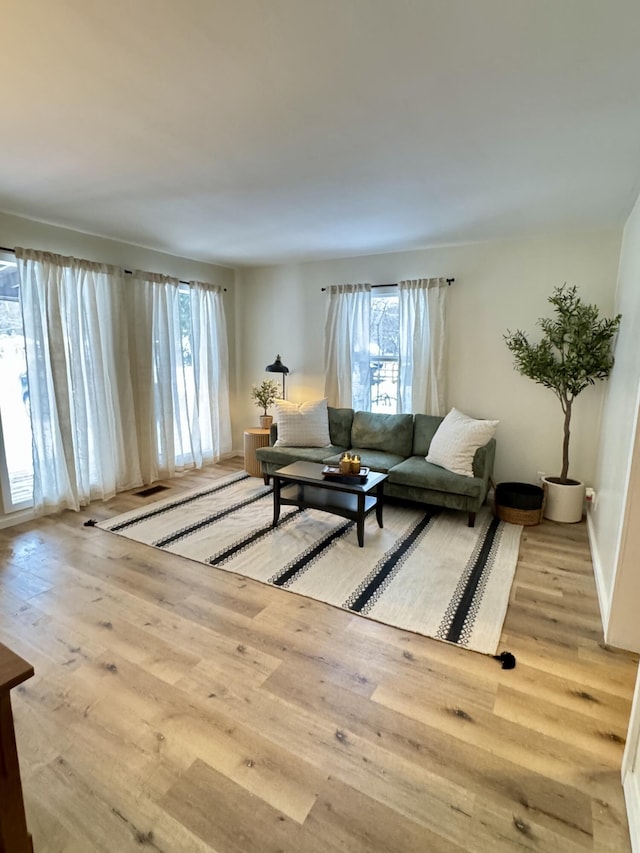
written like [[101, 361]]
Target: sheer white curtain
[[164, 436], [422, 330], [210, 352], [128, 377], [177, 338], [346, 346], [84, 445]]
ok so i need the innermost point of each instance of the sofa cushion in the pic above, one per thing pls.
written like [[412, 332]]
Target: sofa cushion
[[424, 429], [389, 433], [340, 422], [416, 472], [456, 440], [302, 424], [281, 456]]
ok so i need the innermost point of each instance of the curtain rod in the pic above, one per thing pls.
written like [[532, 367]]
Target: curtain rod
[[130, 272], [127, 272], [395, 284]]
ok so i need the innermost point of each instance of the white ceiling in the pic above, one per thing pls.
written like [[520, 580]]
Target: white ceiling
[[256, 131]]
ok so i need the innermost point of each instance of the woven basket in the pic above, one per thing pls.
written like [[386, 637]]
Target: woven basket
[[519, 503]]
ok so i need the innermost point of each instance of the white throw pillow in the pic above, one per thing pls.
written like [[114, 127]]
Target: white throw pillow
[[456, 440], [302, 425]]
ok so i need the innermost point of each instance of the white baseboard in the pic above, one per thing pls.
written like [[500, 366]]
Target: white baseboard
[[604, 597], [16, 518], [632, 800]]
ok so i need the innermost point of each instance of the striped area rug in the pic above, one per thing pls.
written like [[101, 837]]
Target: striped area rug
[[426, 571]]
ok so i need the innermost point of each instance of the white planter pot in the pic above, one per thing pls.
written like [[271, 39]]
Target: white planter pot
[[564, 501]]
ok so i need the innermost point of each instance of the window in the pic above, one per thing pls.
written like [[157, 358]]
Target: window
[[384, 348], [186, 402], [16, 463]]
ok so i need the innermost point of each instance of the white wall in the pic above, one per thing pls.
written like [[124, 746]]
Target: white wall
[[613, 528], [499, 286], [15, 231], [615, 542]]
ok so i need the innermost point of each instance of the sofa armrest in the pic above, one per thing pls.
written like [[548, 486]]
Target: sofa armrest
[[273, 434], [483, 461]]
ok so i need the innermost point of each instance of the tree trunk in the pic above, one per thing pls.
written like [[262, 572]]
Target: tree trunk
[[565, 443]]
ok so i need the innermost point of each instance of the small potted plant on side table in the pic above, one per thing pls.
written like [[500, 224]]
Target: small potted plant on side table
[[264, 396]]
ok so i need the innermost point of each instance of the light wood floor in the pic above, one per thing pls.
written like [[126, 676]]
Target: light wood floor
[[179, 708]]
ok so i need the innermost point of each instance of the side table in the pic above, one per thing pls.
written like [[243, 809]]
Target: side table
[[253, 439], [13, 824]]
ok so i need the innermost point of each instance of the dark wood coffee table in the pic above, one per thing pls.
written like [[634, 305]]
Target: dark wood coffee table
[[303, 485]]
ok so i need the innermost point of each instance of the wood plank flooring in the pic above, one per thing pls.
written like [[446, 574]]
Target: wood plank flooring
[[179, 708]]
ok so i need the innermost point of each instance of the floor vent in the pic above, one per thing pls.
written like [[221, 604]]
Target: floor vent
[[150, 491]]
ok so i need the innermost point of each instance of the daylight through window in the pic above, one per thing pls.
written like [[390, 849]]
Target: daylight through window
[[16, 462], [384, 352]]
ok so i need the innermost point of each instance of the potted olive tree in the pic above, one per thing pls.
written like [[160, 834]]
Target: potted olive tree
[[265, 395], [575, 350]]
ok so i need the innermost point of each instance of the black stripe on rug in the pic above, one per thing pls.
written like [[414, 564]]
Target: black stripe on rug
[[460, 614], [302, 563], [363, 598], [153, 513], [223, 557], [190, 529]]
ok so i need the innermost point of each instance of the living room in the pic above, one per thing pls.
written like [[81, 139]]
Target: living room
[[505, 262]]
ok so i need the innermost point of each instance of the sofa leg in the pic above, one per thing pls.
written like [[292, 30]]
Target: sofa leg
[[472, 520], [266, 479]]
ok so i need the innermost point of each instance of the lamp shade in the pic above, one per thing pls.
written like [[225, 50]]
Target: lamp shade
[[277, 366]]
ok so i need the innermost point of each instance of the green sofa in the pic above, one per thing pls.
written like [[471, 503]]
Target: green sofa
[[396, 445]]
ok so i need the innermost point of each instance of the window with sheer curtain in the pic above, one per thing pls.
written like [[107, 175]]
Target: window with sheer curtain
[[178, 345], [384, 346], [127, 376]]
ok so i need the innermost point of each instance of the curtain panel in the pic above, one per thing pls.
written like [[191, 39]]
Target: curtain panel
[[80, 391], [210, 350], [422, 378], [346, 347], [179, 349], [163, 424], [128, 377]]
